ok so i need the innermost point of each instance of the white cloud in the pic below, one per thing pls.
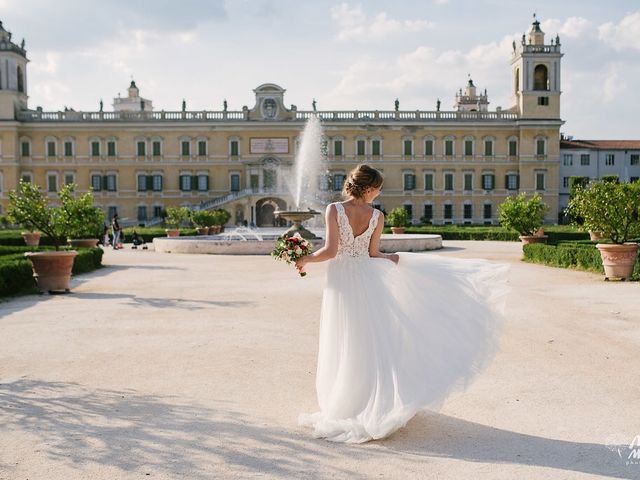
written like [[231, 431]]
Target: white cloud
[[354, 24], [622, 35], [572, 27]]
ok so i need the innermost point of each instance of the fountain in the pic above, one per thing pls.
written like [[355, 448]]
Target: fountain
[[307, 169]]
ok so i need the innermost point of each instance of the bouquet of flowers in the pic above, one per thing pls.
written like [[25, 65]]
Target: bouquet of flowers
[[291, 249]]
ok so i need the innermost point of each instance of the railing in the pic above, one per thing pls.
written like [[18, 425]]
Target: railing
[[235, 116], [216, 202]]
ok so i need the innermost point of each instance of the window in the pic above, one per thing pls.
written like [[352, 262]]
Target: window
[[142, 183], [156, 183], [25, 149], [156, 148], [543, 101], [488, 148], [468, 181], [234, 148], [323, 182], [407, 148], [375, 148], [95, 149], [468, 147], [487, 213], [96, 182], [428, 214], [409, 181], [185, 148], [540, 146], [539, 181], [540, 78], [68, 148], [565, 182], [567, 159], [26, 177], [585, 159], [448, 181], [428, 181], [142, 213], [448, 211], [338, 181], [513, 148], [52, 182], [428, 147], [203, 183], [634, 159], [360, 147], [51, 149], [142, 148], [157, 211], [112, 211], [69, 178], [512, 181], [467, 211], [111, 148], [448, 147], [610, 159], [202, 148], [488, 181], [185, 183], [111, 182], [235, 182], [337, 148], [409, 210]]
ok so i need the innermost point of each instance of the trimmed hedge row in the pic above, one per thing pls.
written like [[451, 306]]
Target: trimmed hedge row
[[582, 256], [471, 232], [149, 233], [16, 275]]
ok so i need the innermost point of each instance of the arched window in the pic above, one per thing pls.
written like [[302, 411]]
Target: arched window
[[540, 78], [517, 80], [20, 80]]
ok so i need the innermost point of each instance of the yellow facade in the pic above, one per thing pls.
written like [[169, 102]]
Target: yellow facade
[[443, 159]]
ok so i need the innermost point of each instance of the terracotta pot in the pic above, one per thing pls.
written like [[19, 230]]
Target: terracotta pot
[[32, 239], [203, 230], [595, 235], [83, 242], [52, 270], [214, 229], [397, 230], [172, 232], [527, 239], [539, 232], [618, 260]]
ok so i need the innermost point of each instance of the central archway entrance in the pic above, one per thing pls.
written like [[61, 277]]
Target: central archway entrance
[[265, 209]]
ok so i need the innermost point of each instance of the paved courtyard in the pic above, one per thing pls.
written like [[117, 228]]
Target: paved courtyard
[[175, 366]]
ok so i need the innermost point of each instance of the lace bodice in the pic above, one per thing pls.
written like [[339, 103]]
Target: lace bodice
[[348, 244]]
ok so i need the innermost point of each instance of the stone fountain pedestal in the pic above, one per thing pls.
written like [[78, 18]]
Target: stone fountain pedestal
[[297, 217]]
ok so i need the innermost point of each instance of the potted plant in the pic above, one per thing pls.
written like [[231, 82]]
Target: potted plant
[[31, 238], [524, 217], [611, 208], [399, 220], [84, 220], [176, 216], [31, 209], [203, 219], [221, 217]]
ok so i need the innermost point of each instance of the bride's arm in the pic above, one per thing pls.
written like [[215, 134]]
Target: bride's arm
[[330, 248], [374, 244]]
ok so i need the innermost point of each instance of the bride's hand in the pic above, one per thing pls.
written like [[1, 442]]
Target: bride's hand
[[300, 263], [394, 257]]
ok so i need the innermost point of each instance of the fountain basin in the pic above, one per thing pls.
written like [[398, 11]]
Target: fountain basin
[[217, 245]]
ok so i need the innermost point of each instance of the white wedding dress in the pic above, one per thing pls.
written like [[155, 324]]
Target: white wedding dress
[[395, 339]]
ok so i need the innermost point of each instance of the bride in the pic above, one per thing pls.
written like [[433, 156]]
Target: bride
[[399, 332]]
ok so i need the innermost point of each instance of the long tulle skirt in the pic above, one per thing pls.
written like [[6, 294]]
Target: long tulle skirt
[[396, 339]]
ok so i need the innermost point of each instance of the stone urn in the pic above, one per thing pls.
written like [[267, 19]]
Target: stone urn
[[52, 270], [618, 260], [83, 242], [527, 239], [172, 232], [32, 239]]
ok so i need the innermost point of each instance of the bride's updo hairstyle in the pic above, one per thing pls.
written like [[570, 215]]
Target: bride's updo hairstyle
[[361, 178]]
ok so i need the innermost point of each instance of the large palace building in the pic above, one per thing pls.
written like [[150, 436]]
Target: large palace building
[[445, 166]]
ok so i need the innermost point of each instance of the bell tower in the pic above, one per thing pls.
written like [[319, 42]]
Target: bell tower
[[535, 67], [13, 76]]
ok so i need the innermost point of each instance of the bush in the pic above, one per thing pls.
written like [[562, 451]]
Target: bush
[[176, 216], [398, 217], [522, 215], [221, 216], [16, 275], [204, 218]]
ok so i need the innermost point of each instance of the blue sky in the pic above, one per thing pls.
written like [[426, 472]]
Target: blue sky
[[348, 55]]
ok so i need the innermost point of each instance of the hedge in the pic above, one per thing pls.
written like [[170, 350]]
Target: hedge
[[582, 256], [16, 275], [472, 232]]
